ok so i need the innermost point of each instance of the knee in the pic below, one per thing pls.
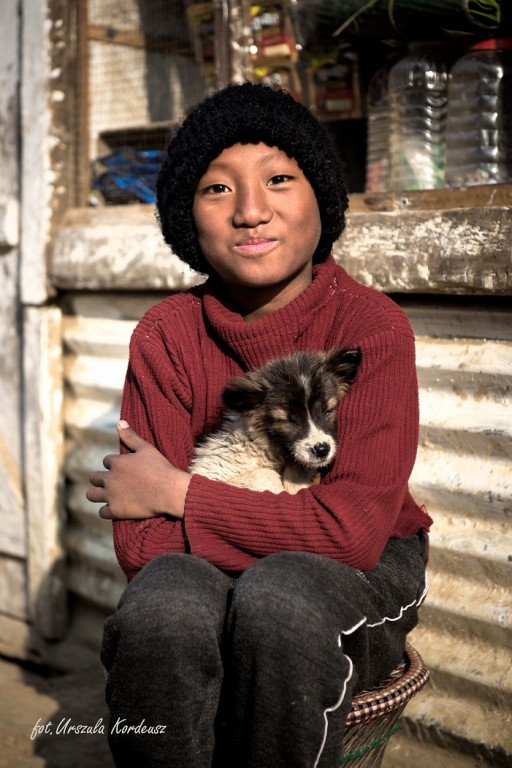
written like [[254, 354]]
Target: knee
[[277, 600], [174, 596], [165, 634]]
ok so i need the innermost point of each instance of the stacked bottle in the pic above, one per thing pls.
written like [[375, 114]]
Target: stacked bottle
[[377, 154], [418, 98], [479, 124]]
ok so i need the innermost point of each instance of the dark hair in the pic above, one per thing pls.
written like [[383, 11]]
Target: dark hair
[[246, 114]]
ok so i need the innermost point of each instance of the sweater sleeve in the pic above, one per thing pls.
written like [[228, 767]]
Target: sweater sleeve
[[155, 404], [353, 512]]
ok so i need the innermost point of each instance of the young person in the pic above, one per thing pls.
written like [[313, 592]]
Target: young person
[[251, 618]]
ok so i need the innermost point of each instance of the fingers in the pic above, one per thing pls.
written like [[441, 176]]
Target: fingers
[[129, 437], [107, 460], [111, 485], [96, 491], [98, 495], [105, 513]]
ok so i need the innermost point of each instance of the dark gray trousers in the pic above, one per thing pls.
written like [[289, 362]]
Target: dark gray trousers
[[254, 672]]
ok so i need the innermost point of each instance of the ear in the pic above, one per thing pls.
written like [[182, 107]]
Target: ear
[[244, 394], [344, 364]]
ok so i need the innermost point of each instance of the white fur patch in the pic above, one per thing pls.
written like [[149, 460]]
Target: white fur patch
[[303, 450]]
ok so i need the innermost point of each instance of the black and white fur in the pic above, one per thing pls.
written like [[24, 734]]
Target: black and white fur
[[279, 431]]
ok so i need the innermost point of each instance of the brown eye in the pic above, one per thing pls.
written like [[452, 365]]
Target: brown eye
[[216, 189], [280, 178]]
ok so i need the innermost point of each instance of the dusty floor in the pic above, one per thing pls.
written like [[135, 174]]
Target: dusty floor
[[36, 710], [29, 700]]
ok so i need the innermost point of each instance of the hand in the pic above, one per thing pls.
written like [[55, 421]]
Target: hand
[[140, 484]]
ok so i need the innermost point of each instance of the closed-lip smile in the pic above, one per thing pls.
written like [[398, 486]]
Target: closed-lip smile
[[255, 245]]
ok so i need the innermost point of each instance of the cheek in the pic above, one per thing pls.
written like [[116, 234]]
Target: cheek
[[328, 424], [331, 426], [285, 433], [316, 233], [205, 241], [207, 233], [309, 223]]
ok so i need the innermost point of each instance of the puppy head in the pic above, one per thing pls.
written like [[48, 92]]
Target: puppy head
[[290, 404]]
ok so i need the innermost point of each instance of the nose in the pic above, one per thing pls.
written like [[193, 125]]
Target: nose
[[251, 206], [321, 450]]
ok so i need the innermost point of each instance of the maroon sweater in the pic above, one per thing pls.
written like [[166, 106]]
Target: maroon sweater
[[182, 354]]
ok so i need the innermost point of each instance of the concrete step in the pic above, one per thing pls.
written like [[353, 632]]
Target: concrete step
[[442, 714], [405, 751], [468, 666]]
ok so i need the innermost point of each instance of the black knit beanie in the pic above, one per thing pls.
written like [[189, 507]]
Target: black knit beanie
[[246, 114]]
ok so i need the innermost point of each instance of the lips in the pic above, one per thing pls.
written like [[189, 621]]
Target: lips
[[255, 245]]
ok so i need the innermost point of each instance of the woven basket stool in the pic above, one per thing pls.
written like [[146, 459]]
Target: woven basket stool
[[374, 715]]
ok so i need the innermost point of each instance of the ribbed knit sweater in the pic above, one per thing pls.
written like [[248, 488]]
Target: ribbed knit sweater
[[184, 351]]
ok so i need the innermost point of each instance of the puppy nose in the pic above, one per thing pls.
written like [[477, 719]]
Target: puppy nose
[[321, 450]]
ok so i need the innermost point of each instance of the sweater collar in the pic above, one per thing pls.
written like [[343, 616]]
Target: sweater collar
[[278, 333]]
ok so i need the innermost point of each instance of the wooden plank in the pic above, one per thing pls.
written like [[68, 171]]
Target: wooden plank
[[9, 101], [82, 159], [115, 254], [14, 637], [12, 587], [136, 38], [12, 511], [47, 93], [486, 195], [12, 508], [9, 222], [455, 251], [47, 588], [35, 159]]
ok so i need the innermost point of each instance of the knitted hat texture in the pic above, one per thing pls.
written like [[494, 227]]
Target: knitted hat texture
[[249, 114]]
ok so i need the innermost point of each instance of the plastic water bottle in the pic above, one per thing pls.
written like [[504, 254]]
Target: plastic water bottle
[[479, 124], [377, 148], [418, 99]]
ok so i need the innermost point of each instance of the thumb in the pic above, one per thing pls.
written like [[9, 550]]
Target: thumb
[[129, 436]]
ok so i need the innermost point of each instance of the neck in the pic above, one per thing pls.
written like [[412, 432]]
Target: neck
[[255, 302]]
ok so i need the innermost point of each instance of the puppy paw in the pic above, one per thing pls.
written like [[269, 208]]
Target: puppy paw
[[296, 478]]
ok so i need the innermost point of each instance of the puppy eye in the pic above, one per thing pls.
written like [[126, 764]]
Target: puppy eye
[[290, 421], [284, 420], [330, 411]]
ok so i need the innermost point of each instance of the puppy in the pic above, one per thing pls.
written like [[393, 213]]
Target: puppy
[[279, 432]]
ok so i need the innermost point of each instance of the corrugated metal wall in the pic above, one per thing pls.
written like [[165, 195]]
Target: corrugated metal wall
[[463, 475], [96, 330]]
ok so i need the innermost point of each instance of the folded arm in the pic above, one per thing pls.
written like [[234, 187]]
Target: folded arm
[[159, 507]]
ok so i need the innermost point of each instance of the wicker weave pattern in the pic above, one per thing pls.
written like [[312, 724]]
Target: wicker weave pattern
[[393, 693], [374, 715]]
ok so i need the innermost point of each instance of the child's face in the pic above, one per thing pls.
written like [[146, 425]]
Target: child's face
[[257, 220]]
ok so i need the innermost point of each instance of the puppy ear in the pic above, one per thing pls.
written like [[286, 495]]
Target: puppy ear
[[244, 394], [344, 364]]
